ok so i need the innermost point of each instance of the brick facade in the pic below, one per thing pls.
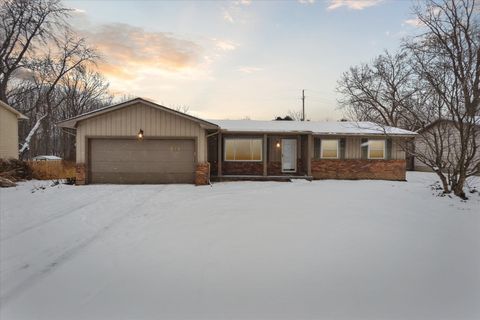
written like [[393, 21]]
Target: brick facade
[[359, 169], [202, 174], [80, 174], [274, 168], [242, 168]]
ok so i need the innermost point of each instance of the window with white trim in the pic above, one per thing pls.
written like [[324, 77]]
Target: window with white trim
[[243, 149], [376, 149], [329, 149]]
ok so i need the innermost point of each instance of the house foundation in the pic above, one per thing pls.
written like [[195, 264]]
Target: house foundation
[[354, 169], [80, 174]]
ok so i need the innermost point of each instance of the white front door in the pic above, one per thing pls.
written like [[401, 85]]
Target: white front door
[[289, 155]]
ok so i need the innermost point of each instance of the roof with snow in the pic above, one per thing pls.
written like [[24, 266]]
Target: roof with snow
[[315, 127], [48, 158], [274, 126]]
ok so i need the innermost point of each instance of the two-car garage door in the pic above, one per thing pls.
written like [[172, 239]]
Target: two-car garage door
[[142, 161]]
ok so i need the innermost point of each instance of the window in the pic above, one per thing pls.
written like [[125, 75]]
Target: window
[[329, 149], [243, 149], [376, 149]]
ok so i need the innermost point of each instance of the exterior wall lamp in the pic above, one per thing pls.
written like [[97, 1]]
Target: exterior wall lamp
[[277, 144], [140, 135]]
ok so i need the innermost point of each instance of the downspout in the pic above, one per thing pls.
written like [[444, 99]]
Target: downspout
[[207, 136]]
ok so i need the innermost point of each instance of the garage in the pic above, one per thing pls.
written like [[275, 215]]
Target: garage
[[140, 142], [150, 161]]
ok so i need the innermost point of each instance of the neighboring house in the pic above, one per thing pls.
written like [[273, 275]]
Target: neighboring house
[[9, 118], [142, 142], [440, 138]]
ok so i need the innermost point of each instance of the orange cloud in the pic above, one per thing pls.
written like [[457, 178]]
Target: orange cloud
[[127, 49]]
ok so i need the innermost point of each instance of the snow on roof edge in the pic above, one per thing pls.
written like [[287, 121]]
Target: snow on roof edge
[[315, 127]]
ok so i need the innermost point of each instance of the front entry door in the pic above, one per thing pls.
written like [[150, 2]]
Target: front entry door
[[289, 155]]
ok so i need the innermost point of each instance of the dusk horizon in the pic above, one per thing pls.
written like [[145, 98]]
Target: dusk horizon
[[239, 59]]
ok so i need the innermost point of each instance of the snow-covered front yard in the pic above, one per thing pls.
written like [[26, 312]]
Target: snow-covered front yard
[[239, 250]]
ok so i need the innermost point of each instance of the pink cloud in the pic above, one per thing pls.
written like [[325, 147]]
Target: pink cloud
[[352, 4]]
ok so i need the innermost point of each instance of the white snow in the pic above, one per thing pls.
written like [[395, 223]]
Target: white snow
[[239, 250], [315, 127], [38, 158]]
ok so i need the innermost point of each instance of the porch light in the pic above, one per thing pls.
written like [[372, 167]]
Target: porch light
[[140, 134], [277, 144]]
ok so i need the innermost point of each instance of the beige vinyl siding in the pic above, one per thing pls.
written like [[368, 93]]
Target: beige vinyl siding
[[126, 122], [8, 134], [353, 148], [451, 144], [451, 138], [398, 153]]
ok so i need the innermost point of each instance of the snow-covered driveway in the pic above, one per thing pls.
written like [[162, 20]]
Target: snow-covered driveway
[[240, 250]]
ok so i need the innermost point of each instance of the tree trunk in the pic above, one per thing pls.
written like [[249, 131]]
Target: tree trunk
[[26, 144], [446, 188], [457, 187], [3, 92]]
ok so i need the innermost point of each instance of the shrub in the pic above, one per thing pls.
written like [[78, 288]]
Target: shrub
[[48, 170]]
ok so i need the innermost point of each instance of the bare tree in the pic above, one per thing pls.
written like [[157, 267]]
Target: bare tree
[[81, 90], [296, 115], [182, 108], [435, 78], [123, 97], [25, 25], [48, 70], [447, 58], [381, 91], [37, 51]]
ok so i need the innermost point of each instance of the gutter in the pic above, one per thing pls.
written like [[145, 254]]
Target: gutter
[[212, 134]]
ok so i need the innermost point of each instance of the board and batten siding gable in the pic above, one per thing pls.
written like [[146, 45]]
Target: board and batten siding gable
[[126, 122], [8, 134], [353, 148]]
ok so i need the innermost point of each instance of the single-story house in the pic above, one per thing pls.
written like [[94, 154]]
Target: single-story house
[[139, 141], [440, 140], [9, 118]]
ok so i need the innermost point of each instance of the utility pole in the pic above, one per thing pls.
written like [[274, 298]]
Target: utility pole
[[303, 105]]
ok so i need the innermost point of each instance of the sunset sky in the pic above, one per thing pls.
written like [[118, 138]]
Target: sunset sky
[[239, 59]]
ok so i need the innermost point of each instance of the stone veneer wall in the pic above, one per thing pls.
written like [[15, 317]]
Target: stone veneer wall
[[242, 168], [359, 169], [80, 174], [202, 174]]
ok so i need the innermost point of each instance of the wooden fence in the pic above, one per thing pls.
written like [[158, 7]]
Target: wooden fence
[[56, 169]]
